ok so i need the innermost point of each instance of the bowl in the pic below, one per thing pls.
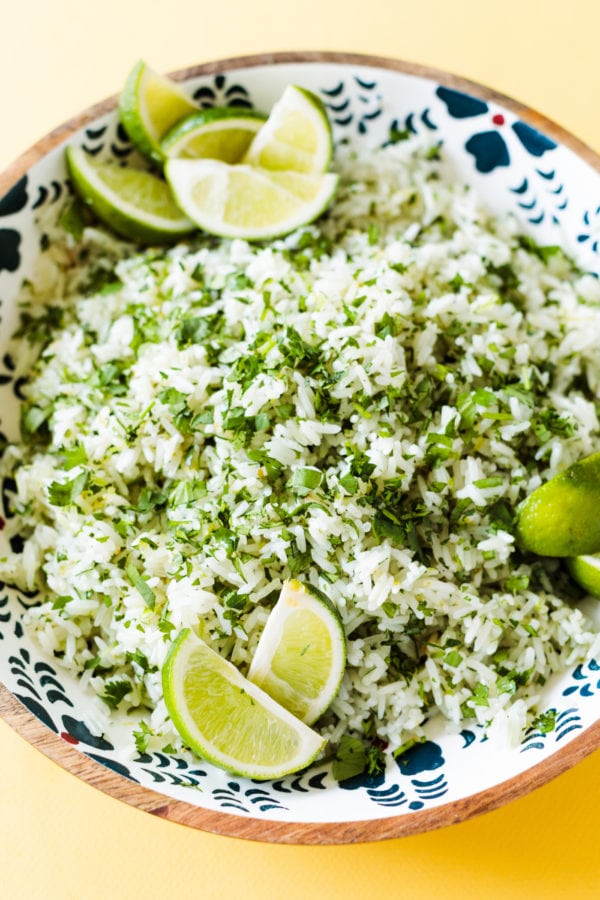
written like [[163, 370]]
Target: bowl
[[519, 162]]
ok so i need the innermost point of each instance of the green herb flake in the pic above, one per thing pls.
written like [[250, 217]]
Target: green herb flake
[[350, 759], [305, 479], [142, 586], [516, 584], [67, 492], [373, 233], [543, 252], [350, 483], [453, 658], [187, 492], [493, 481], [60, 602], [142, 737], [506, 685], [545, 722], [74, 456], [481, 695], [141, 660], [33, 420], [114, 692], [73, 219]]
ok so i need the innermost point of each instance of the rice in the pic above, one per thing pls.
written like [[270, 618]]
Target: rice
[[361, 405]]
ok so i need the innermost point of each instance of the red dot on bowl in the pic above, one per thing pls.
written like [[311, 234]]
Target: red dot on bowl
[[498, 119], [68, 738]]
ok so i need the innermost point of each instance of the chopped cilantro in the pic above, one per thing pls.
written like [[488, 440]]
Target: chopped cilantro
[[39, 329], [74, 456], [34, 421], [115, 691], [299, 561], [516, 584], [350, 483], [506, 685], [74, 217], [453, 658], [360, 464], [397, 134], [150, 499], [142, 737], [187, 492], [354, 756], [197, 329], [305, 479], [60, 602], [297, 353], [545, 722], [543, 252], [141, 585], [64, 493], [141, 660], [481, 695]]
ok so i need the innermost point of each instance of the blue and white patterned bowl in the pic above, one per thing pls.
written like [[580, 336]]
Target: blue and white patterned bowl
[[518, 162]]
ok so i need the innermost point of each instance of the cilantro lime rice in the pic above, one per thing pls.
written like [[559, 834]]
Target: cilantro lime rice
[[361, 405]]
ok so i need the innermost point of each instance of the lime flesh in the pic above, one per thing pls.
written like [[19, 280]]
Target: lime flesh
[[296, 136], [560, 518], [240, 201], [229, 721], [301, 655], [223, 133]]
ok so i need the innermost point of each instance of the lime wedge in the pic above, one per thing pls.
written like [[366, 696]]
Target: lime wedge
[[228, 720], [586, 572], [301, 655], [295, 137], [219, 132], [560, 518], [241, 201], [135, 204], [149, 105]]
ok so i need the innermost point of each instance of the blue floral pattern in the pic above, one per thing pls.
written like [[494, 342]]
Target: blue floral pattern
[[353, 105], [517, 169], [489, 148]]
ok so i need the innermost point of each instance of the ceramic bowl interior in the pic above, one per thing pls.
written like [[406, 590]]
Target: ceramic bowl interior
[[518, 162]]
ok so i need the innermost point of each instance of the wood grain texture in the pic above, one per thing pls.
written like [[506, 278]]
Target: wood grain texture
[[37, 734], [53, 746]]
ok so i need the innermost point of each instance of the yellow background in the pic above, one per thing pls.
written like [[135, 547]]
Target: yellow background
[[60, 838]]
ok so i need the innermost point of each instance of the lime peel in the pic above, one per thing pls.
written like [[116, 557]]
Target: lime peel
[[560, 518], [585, 570]]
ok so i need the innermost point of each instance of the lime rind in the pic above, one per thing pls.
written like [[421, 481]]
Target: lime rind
[[297, 135], [585, 570], [241, 201], [301, 655], [141, 208], [560, 518], [219, 132], [150, 104], [229, 721]]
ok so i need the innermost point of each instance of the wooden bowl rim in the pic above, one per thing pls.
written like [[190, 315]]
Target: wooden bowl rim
[[76, 762]]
